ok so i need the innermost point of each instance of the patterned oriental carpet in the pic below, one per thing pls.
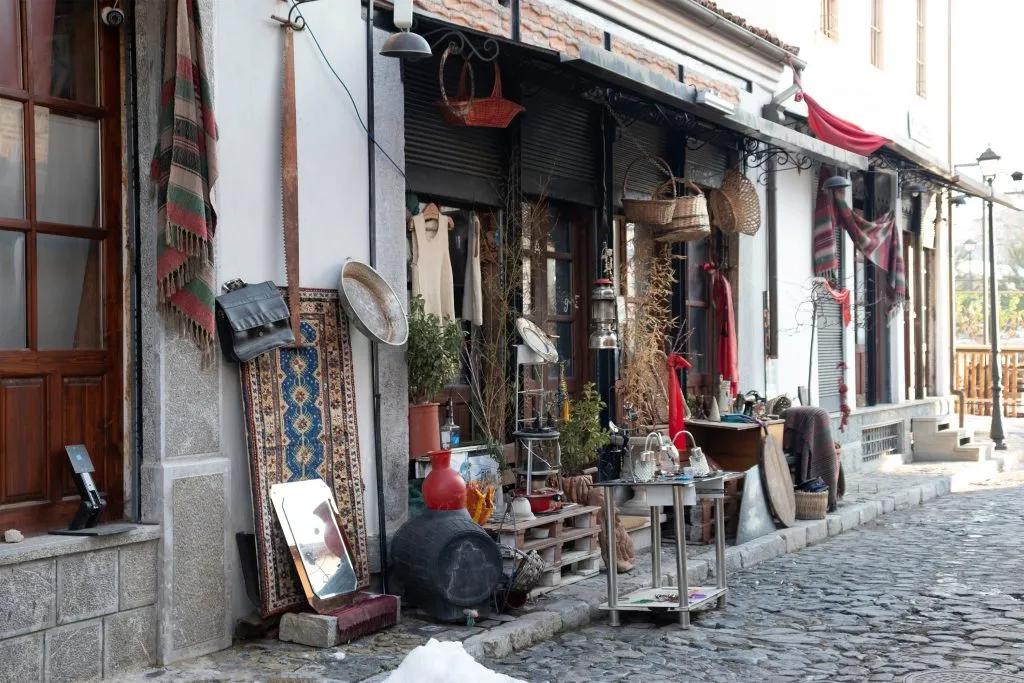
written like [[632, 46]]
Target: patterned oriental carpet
[[300, 423]]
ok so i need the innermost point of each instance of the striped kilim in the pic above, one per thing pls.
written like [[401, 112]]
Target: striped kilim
[[185, 168], [880, 241]]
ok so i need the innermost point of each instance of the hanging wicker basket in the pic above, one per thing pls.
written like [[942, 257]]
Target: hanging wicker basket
[[690, 219], [724, 211], [656, 210], [465, 109], [745, 204]]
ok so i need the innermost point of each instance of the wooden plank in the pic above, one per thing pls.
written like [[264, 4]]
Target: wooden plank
[[572, 510]]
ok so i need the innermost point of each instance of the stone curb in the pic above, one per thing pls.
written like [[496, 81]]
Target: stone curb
[[572, 612]]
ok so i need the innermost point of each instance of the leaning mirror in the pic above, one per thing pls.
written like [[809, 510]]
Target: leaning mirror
[[308, 516]]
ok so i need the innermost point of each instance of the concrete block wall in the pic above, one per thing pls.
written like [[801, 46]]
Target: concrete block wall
[[863, 418], [77, 609]]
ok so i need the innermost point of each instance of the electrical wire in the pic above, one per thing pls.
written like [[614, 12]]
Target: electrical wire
[[348, 92]]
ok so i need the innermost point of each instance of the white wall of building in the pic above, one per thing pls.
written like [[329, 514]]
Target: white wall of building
[[786, 373], [840, 74], [332, 188]]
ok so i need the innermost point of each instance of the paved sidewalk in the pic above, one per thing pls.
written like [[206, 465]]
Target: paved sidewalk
[[868, 498]]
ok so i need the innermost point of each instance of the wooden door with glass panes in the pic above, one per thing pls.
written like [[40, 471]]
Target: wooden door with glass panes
[[558, 292], [60, 258]]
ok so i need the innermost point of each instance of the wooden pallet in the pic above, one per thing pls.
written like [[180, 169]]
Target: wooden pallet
[[570, 551]]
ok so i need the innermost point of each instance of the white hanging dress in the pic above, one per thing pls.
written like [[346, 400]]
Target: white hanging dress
[[432, 266]]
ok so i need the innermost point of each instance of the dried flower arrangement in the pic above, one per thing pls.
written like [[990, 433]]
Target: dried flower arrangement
[[647, 333]]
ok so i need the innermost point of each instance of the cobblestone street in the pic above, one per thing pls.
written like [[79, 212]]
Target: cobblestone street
[[940, 586]]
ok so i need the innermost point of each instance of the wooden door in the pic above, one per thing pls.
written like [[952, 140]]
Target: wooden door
[[558, 290], [60, 258]]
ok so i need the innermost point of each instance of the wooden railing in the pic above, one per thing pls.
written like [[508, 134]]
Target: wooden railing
[[973, 363]]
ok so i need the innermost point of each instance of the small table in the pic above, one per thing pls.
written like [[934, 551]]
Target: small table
[[682, 599]]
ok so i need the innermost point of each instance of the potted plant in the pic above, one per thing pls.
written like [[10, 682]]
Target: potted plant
[[580, 437], [433, 353]]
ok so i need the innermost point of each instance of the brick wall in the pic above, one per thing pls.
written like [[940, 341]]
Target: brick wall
[[544, 26], [645, 57], [481, 15], [726, 91]]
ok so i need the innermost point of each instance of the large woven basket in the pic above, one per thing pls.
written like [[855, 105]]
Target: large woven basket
[[690, 219], [656, 210], [744, 205], [465, 109], [811, 505]]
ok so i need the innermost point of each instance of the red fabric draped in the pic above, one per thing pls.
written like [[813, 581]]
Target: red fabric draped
[[676, 423], [836, 131], [842, 297], [728, 357]]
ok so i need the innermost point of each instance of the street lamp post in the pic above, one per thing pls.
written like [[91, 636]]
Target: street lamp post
[[989, 166]]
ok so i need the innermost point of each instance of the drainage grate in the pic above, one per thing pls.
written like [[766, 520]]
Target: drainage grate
[[960, 676], [879, 440]]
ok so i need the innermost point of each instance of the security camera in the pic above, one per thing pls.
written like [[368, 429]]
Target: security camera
[[112, 16]]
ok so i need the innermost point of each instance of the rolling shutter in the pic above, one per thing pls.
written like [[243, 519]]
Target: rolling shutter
[[561, 147], [830, 344], [456, 162], [706, 165], [639, 140]]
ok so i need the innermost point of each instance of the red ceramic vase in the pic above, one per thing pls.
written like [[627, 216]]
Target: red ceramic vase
[[443, 489]]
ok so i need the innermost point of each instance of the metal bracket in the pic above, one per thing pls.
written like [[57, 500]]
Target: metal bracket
[[487, 52], [294, 20]]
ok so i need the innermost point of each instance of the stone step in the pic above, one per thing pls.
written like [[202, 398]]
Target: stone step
[[930, 425], [970, 452]]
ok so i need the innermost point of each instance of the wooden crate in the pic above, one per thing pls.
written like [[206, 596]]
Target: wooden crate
[[570, 552]]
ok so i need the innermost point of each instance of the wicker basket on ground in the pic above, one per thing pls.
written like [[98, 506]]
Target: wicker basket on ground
[[811, 505]]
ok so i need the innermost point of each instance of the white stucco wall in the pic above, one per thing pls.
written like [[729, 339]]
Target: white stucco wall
[[332, 189], [753, 281], [840, 74], [795, 268]]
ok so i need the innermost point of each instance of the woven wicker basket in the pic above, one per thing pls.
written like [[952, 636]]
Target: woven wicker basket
[[724, 211], [745, 204], [653, 211], [690, 219], [811, 505], [466, 109]]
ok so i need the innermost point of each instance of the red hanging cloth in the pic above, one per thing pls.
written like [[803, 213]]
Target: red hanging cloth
[[728, 357], [839, 132], [676, 423]]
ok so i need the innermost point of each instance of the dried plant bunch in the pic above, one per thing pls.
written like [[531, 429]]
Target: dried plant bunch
[[647, 334]]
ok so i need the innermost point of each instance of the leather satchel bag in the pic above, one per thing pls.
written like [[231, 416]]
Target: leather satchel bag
[[252, 320]]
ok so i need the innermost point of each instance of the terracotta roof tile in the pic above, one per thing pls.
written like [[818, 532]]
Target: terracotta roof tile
[[742, 23]]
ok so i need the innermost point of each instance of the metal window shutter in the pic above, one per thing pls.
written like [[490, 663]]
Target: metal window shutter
[[706, 166], [561, 147], [639, 140], [830, 344], [456, 162]]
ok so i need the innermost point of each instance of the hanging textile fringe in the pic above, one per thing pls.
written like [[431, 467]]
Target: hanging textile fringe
[[880, 240], [184, 167]]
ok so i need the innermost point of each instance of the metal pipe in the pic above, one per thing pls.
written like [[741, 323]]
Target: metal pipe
[[609, 534], [720, 546], [371, 184], [716, 22], [656, 546], [132, 109], [678, 514], [996, 430], [958, 392]]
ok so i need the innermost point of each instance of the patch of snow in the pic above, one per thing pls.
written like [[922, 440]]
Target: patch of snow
[[338, 656], [438, 662]]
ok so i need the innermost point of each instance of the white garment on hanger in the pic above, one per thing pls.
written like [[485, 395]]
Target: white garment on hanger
[[432, 267], [472, 295]]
